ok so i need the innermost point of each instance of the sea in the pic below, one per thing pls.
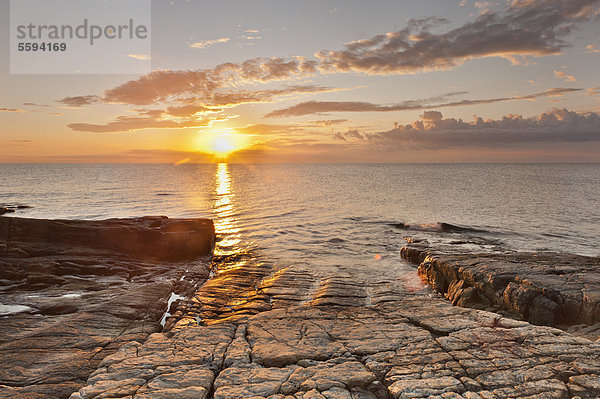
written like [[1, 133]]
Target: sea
[[332, 215]]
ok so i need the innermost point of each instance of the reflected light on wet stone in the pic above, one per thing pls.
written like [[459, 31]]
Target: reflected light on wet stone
[[233, 291]]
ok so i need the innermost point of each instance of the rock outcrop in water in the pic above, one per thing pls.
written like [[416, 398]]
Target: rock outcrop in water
[[543, 288], [9, 208], [74, 292]]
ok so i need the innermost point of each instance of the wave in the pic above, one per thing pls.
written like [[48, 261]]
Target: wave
[[439, 227]]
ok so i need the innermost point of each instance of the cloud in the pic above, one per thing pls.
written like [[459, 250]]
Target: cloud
[[433, 131], [327, 122], [79, 101], [592, 49], [138, 122], [229, 99], [186, 110], [483, 4], [35, 105], [527, 28], [141, 57], [350, 134], [432, 116], [263, 129], [592, 91], [216, 102], [563, 75], [160, 86], [11, 110], [209, 43], [319, 107]]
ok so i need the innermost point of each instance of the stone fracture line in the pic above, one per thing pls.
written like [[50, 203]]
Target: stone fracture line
[[412, 347]]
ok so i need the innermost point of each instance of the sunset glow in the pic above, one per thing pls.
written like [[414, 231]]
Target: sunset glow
[[221, 143], [248, 83]]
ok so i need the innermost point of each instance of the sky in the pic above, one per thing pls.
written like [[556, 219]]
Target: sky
[[326, 81]]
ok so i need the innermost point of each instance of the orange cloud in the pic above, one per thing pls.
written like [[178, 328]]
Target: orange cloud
[[563, 75], [192, 109], [139, 122], [209, 43], [591, 49], [141, 57], [319, 107]]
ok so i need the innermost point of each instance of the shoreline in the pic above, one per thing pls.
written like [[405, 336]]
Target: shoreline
[[74, 292], [249, 328]]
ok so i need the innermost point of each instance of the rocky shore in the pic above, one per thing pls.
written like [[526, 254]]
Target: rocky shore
[[552, 289], [74, 292], [261, 330]]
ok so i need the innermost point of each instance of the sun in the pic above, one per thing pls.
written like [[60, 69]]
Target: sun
[[221, 143]]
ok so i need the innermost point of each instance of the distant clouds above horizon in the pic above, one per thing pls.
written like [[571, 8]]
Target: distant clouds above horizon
[[433, 131], [315, 107], [496, 56]]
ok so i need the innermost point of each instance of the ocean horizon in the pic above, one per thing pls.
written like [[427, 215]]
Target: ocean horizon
[[329, 212]]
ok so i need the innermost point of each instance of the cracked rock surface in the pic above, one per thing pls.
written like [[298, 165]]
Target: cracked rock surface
[[259, 331], [543, 288]]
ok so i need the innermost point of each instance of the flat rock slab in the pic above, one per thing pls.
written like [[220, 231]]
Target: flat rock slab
[[259, 331], [403, 350], [68, 299], [154, 237], [544, 288]]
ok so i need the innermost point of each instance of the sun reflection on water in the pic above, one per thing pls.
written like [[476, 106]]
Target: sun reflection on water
[[226, 222]]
